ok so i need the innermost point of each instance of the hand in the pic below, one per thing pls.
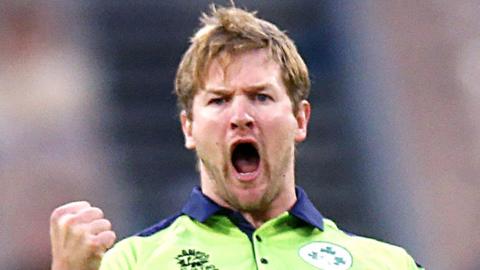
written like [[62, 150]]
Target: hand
[[79, 236]]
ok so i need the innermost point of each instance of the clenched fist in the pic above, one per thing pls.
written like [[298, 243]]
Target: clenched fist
[[80, 235]]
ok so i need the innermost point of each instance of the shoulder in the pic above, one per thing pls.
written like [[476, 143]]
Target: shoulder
[[158, 226], [127, 253], [370, 251]]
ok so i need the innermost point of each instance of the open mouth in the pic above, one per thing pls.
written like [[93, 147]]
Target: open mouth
[[245, 158]]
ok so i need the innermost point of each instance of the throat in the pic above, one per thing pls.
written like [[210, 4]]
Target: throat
[[255, 220]]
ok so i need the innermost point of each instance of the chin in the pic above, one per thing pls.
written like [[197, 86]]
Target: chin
[[250, 199], [251, 206], [249, 192]]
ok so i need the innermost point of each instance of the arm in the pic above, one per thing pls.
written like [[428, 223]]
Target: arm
[[79, 235]]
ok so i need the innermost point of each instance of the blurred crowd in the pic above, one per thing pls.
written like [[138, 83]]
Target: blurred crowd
[[52, 146]]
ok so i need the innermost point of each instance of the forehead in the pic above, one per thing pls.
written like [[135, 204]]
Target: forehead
[[242, 69]]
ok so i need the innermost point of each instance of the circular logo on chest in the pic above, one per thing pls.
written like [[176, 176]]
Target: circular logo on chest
[[326, 256]]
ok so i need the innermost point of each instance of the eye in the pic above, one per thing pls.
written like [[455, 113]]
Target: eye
[[262, 97], [216, 101]]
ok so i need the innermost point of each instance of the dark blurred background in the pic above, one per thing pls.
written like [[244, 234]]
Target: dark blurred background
[[87, 112]]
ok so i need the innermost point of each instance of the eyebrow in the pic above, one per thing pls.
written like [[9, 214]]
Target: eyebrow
[[217, 91], [252, 88]]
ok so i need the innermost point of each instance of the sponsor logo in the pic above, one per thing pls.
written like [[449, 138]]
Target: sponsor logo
[[192, 259]]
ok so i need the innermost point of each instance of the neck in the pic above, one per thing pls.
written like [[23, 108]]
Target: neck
[[279, 205]]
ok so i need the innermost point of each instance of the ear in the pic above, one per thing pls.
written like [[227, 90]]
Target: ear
[[187, 130], [302, 117]]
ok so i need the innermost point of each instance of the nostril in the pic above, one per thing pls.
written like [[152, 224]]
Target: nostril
[[242, 123]]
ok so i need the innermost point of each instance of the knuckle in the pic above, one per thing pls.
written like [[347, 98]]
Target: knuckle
[[92, 212], [55, 215], [63, 221], [113, 237], [87, 203], [69, 220], [98, 211], [107, 224], [111, 234], [107, 238]]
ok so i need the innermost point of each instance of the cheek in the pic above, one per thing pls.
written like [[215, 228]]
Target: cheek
[[281, 126], [208, 134]]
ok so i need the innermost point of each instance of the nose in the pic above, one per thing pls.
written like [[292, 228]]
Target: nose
[[242, 115]]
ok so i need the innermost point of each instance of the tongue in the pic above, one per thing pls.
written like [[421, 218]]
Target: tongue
[[246, 164]]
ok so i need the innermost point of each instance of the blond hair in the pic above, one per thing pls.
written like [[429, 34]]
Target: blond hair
[[232, 30]]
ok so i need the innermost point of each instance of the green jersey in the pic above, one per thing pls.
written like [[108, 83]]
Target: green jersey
[[205, 236]]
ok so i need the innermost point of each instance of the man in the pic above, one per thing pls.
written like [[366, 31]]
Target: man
[[242, 88]]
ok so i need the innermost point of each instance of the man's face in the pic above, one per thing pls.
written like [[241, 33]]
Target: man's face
[[244, 131]]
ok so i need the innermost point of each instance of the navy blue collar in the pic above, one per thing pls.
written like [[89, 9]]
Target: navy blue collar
[[200, 207]]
